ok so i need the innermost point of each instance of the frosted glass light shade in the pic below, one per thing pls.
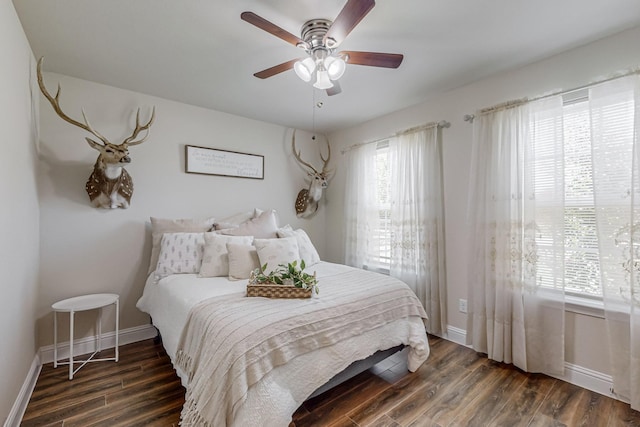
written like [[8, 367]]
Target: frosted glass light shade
[[304, 69], [322, 80], [335, 67]]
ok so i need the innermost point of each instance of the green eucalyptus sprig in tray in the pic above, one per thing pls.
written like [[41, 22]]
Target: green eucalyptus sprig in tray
[[288, 274]]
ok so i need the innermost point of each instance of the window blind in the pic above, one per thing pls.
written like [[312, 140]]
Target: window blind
[[562, 147]]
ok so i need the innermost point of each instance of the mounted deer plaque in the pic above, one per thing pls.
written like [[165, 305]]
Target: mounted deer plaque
[[308, 198], [110, 185]]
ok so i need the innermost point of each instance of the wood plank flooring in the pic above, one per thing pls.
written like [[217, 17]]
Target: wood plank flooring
[[455, 387]]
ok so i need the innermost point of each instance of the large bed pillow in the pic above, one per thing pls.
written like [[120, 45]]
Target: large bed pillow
[[235, 220], [180, 253], [215, 259], [243, 259], [308, 252], [274, 252], [264, 226], [159, 226]]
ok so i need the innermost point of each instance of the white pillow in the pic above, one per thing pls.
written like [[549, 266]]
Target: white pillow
[[234, 221], [159, 226], [274, 252], [243, 259], [308, 252], [264, 226], [215, 259], [180, 253]]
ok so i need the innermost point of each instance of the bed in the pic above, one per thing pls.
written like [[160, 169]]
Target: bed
[[275, 386]]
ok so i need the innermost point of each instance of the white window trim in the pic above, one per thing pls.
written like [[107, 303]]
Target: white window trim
[[585, 306], [378, 268]]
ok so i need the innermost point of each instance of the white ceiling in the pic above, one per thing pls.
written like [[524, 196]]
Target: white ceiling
[[199, 51]]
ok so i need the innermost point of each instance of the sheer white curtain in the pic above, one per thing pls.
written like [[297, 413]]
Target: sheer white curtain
[[615, 133], [361, 206], [417, 220], [516, 220]]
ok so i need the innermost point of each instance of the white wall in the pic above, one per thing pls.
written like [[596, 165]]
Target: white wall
[[565, 71], [19, 220], [87, 250]]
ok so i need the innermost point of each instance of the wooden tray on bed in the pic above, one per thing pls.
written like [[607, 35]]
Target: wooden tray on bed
[[272, 290]]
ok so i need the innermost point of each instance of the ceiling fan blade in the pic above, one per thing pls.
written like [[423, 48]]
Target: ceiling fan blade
[[374, 59], [269, 27], [347, 19], [277, 69], [335, 89]]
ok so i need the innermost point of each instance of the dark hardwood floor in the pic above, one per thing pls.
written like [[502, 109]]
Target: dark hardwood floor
[[455, 387]]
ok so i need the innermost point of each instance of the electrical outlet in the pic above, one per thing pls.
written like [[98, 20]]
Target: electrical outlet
[[462, 305]]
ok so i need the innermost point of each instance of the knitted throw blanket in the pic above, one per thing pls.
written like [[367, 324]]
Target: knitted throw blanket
[[229, 343]]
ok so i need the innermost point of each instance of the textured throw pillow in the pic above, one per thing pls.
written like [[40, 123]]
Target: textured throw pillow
[[159, 226], [234, 221], [180, 253], [243, 259], [215, 259], [308, 252], [262, 227], [274, 252]]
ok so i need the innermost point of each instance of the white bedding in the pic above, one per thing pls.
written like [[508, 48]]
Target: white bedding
[[273, 399]]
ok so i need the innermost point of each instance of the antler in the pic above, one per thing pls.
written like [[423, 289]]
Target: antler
[[55, 103], [138, 129], [326, 161], [297, 153]]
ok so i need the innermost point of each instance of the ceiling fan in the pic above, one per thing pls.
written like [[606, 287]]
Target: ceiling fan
[[319, 39]]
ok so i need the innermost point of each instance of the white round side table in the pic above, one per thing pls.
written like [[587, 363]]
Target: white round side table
[[82, 303]]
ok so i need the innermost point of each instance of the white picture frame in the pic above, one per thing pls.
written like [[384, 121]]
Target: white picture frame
[[213, 161]]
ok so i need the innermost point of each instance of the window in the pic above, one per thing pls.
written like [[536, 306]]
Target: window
[[378, 255], [572, 158], [393, 217]]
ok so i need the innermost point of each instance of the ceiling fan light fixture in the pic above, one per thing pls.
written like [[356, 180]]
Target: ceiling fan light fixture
[[320, 38], [335, 66], [304, 69], [322, 80]]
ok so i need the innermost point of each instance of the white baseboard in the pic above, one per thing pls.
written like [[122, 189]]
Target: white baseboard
[[88, 345], [589, 379], [456, 335], [80, 346], [573, 374], [20, 405]]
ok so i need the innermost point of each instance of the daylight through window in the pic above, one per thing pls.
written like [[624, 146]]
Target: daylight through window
[[572, 157], [379, 251]]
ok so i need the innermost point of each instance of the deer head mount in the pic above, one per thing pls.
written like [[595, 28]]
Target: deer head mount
[[110, 185], [308, 198]]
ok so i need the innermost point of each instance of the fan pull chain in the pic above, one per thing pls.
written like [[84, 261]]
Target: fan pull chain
[[313, 114]]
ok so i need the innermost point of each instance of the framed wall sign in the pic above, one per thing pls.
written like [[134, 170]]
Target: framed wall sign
[[211, 161]]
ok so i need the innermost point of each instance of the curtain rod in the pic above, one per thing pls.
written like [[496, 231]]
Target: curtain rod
[[440, 124], [509, 104]]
